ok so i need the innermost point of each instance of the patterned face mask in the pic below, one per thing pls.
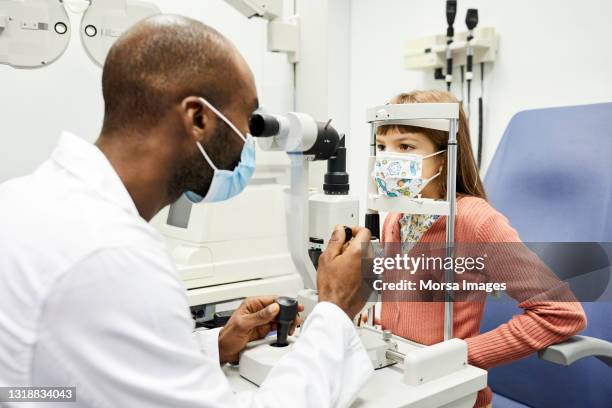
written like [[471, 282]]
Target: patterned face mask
[[400, 174], [414, 226]]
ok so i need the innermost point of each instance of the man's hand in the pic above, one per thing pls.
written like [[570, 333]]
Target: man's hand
[[253, 320], [339, 277]]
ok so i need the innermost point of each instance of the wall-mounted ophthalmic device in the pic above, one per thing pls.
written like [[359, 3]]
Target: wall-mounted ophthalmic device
[[451, 13], [33, 33], [104, 21], [283, 33], [471, 20]]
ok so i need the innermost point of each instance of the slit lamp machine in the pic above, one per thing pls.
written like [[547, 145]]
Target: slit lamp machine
[[407, 374]]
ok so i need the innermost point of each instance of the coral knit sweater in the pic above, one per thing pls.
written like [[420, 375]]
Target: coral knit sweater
[[541, 324]]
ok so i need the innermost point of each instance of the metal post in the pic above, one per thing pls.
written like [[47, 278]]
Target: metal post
[[372, 315], [372, 153], [395, 356], [451, 193], [373, 139], [372, 309], [297, 219]]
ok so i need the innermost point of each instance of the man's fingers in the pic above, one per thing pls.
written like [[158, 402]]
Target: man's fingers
[[267, 314], [253, 304], [364, 319], [334, 246], [263, 316], [361, 236], [298, 319]]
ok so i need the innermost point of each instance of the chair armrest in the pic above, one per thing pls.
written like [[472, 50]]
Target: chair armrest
[[575, 348]]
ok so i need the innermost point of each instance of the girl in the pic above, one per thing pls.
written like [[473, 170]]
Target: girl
[[543, 322]]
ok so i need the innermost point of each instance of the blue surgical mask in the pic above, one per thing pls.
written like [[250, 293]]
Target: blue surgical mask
[[226, 184]]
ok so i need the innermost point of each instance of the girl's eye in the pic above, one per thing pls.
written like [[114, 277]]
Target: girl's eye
[[404, 146], [380, 147]]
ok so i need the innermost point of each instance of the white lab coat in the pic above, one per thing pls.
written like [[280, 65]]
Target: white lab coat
[[89, 297]]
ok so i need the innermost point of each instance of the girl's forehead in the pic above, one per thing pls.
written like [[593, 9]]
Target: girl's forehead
[[396, 135]]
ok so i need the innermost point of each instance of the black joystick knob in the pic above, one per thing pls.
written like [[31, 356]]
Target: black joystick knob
[[286, 316], [348, 234]]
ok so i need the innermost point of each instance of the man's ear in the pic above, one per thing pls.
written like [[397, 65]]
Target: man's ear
[[195, 117]]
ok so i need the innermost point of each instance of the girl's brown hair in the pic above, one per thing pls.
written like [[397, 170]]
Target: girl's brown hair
[[468, 178]]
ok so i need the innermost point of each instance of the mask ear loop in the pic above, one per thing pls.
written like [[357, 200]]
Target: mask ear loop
[[426, 183], [438, 173], [223, 118], [431, 178], [434, 154], [227, 122], [210, 163]]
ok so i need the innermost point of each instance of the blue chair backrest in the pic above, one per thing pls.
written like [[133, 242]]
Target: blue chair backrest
[[552, 177]]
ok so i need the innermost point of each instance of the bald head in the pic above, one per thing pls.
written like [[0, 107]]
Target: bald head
[[160, 81], [162, 60]]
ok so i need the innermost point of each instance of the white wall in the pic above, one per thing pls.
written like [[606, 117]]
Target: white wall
[[35, 105], [552, 53]]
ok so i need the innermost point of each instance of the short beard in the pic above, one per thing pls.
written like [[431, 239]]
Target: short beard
[[194, 173]]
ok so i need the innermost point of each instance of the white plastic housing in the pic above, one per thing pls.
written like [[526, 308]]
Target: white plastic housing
[[327, 211], [104, 21], [430, 52], [268, 9], [447, 381], [234, 249], [297, 133], [410, 111], [433, 362], [33, 33], [284, 36]]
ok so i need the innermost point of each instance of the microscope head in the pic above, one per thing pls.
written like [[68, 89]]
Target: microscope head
[[295, 133]]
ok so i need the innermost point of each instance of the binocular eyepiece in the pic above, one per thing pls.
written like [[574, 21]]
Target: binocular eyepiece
[[263, 125]]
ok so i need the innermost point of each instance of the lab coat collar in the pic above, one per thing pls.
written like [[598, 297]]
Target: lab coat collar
[[86, 162]]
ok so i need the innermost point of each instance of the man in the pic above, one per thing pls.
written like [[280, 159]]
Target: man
[[90, 297]]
